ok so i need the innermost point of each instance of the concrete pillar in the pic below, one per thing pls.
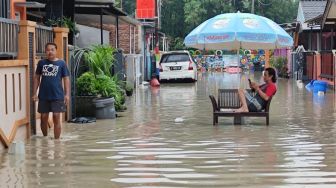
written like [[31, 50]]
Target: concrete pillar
[[61, 40], [27, 31], [26, 27]]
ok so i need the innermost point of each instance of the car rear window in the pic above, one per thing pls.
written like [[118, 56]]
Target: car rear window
[[174, 58]]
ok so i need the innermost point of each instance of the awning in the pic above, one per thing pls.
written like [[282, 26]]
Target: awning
[[97, 9], [30, 4], [86, 19]]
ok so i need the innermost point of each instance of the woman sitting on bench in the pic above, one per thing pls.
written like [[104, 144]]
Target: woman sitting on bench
[[263, 93]]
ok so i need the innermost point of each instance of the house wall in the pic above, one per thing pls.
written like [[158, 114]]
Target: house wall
[[128, 37], [91, 35], [14, 101], [19, 10]]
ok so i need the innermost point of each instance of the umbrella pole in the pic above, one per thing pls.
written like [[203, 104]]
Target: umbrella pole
[[267, 58], [238, 58]]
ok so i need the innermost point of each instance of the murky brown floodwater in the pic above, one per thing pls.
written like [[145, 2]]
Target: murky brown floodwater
[[146, 148]]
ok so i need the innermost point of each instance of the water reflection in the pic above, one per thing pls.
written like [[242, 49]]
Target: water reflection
[[146, 148]]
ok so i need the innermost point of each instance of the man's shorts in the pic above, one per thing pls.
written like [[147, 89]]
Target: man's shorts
[[51, 106], [252, 103]]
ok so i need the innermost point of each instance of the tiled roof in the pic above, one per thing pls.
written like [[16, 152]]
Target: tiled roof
[[312, 9]]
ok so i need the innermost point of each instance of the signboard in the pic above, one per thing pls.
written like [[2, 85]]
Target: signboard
[[145, 9]]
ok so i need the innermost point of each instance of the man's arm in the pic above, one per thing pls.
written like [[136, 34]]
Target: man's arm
[[66, 81], [36, 85]]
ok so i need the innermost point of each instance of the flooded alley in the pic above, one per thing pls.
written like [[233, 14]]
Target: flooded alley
[[166, 139]]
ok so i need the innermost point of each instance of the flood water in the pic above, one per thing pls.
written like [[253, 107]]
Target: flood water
[[147, 148]]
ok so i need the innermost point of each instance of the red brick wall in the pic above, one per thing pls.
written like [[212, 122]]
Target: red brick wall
[[124, 36]]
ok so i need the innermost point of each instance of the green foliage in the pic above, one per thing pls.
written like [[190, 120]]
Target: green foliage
[[99, 80], [101, 85], [63, 22], [179, 17], [127, 6], [280, 64], [173, 17], [177, 44], [100, 59], [129, 87], [86, 85]]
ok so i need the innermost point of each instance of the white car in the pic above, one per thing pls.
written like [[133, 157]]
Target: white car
[[177, 65]]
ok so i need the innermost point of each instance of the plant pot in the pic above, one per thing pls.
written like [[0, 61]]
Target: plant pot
[[85, 107], [105, 108], [129, 93]]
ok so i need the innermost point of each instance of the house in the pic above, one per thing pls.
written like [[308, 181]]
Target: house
[[318, 38], [309, 35], [99, 22], [22, 42]]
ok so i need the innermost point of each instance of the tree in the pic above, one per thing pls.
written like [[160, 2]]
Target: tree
[[172, 15], [127, 5], [179, 17]]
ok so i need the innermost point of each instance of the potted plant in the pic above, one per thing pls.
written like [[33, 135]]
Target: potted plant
[[86, 92], [63, 22], [129, 89], [99, 83]]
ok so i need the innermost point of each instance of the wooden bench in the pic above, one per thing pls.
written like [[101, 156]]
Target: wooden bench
[[228, 100]]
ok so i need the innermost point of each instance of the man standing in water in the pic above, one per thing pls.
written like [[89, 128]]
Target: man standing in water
[[52, 98]]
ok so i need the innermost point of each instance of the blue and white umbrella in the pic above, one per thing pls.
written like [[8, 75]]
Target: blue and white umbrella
[[233, 31]]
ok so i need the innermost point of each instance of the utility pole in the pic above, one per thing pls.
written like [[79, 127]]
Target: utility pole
[[252, 10]]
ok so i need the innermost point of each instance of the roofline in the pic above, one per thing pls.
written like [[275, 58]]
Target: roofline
[[314, 19], [326, 11]]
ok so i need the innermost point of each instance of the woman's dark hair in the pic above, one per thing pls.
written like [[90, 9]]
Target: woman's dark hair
[[271, 72]]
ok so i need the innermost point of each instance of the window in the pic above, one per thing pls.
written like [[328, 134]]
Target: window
[[175, 57], [4, 9]]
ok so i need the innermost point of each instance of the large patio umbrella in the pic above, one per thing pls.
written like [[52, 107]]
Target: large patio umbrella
[[233, 31]]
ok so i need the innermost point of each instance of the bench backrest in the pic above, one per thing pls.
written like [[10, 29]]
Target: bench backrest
[[228, 98], [214, 103]]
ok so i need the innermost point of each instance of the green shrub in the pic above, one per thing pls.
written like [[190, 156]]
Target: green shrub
[[280, 64], [86, 85], [99, 80], [100, 59], [108, 87]]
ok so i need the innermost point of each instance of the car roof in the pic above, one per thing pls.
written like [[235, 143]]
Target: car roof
[[177, 52]]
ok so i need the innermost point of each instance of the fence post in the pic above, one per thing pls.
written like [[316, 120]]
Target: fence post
[[317, 65], [334, 68], [61, 40], [26, 28], [27, 52]]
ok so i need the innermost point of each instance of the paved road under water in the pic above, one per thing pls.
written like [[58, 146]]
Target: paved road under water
[[147, 148]]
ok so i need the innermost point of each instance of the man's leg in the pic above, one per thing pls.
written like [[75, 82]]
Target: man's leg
[[44, 123], [57, 124], [243, 108]]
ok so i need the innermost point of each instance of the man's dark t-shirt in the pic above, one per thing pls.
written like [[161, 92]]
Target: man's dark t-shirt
[[51, 73]]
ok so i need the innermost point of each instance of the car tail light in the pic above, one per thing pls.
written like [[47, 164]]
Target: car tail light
[[190, 66], [161, 70]]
